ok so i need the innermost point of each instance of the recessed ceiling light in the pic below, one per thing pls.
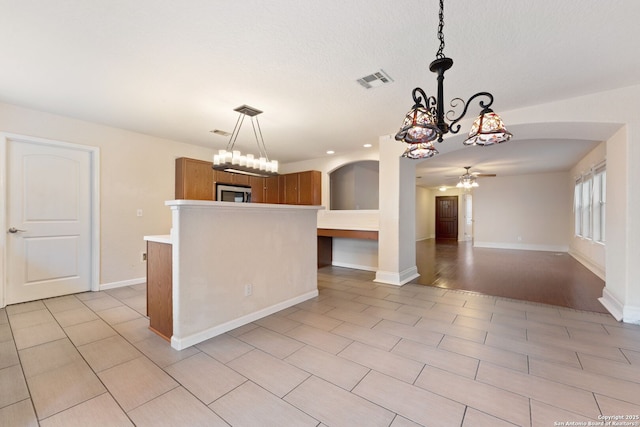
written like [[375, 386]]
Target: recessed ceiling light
[[330, 152], [367, 145]]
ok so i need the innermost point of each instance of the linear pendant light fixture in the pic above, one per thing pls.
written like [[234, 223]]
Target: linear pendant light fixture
[[230, 160], [426, 121]]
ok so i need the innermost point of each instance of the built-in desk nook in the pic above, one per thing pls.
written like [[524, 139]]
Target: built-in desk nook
[[325, 241], [229, 264]]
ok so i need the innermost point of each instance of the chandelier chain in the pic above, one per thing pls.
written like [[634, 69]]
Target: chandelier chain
[[440, 53]]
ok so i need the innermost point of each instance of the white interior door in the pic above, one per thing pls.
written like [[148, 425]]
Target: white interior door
[[49, 223]]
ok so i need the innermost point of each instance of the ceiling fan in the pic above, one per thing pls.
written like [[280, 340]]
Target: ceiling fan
[[468, 174], [468, 180], [476, 174]]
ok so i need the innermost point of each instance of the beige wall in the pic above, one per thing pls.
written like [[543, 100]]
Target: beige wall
[[523, 212], [136, 172], [425, 220]]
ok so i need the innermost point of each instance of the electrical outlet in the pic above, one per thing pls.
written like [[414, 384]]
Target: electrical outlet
[[143, 257], [139, 212], [248, 289]]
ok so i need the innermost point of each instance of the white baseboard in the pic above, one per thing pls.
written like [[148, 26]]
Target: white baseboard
[[595, 269], [611, 303], [521, 246], [112, 285], [631, 315], [396, 278], [188, 341], [354, 266]]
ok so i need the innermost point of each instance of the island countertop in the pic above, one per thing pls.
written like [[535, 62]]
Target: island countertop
[[161, 238]]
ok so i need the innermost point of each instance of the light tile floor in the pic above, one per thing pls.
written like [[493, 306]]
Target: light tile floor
[[361, 354]]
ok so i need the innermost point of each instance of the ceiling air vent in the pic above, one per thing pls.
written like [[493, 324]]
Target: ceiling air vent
[[221, 132], [376, 79]]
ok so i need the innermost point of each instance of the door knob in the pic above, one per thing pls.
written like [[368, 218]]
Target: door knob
[[15, 230]]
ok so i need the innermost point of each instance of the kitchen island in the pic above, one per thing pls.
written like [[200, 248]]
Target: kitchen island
[[231, 264]]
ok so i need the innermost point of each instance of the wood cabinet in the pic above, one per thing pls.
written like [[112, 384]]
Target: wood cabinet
[[272, 189], [309, 184], [222, 177], [230, 178], [194, 179], [291, 189], [240, 179], [160, 288], [303, 188], [257, 189]]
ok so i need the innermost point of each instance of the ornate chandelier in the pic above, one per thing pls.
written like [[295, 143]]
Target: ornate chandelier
[[231, 160], [426, 121]]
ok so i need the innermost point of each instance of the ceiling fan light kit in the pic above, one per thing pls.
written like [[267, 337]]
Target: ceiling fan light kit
[[469, 180], [426, 122]]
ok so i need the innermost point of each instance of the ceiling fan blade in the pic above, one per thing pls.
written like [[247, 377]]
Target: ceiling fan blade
[[484, 174]]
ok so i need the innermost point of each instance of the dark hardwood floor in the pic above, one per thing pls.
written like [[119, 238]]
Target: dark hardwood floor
[[545, 277]]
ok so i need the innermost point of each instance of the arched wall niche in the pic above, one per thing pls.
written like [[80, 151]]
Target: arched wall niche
[[354, 186]]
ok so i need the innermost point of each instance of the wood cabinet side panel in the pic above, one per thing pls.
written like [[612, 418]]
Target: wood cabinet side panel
[[160, 288]]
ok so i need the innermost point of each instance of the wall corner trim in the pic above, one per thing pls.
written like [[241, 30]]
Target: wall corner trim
[[397, 278], [615, 307]]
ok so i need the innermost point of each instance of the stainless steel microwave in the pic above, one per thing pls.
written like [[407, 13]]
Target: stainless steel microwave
[[233, 193]]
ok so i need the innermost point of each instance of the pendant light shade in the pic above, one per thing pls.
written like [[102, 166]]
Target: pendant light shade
[[419, 126], [487, 129], [422, 150]]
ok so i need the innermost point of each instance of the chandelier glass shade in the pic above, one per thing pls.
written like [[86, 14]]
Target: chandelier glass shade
[[426, 122], [231, 160], [467, 182], [487, 129], [419, 126]]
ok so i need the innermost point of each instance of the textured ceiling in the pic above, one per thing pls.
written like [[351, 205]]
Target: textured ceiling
[[178, 69]]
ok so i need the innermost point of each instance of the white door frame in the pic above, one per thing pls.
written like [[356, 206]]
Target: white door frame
[[94, 153]]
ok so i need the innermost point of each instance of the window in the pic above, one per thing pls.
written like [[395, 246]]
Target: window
[[585, 200], [589, 204], [599, 201]]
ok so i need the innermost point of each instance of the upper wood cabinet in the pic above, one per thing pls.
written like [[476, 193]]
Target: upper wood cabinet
[[194, 179], [222, 177], [240, 179], [291, 189], [257, 189], [272, 189], [309, 188], [301, 188]]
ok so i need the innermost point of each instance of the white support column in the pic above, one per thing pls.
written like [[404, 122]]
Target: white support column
[[396, 237]]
